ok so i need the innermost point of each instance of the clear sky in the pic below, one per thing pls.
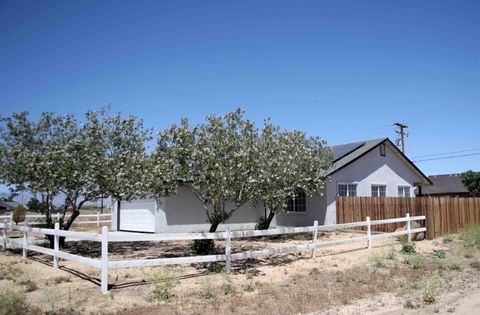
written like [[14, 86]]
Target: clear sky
[[342, 70]]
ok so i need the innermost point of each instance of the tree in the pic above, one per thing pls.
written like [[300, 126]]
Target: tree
[[19, 214], [289, 162], [56, 154], [471, 180], [216, 160], [36, 205]]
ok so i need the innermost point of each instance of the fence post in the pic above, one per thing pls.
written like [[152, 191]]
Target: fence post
[[228, 250], [409, 235], [314, 241], [58, 216], [4, 234], [11, 222], [56, 239], [25, 240], [369, 233], [104, 266], [98, 218]]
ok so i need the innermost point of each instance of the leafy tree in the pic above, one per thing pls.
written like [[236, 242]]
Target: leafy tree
[[56, 154], [471, 180], [289, 162], [19, 214], [216, 160]]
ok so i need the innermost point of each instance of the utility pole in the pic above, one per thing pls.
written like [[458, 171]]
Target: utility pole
[[401, 135]]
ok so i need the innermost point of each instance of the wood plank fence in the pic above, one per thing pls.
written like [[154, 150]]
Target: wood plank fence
[[444, 214], [104, 263]]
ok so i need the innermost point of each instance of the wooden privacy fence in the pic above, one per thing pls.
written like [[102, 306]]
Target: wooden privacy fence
[[104, 264], [37, 219], [444, 214]]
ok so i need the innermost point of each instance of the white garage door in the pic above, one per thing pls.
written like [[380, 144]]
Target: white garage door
[[138, 216]]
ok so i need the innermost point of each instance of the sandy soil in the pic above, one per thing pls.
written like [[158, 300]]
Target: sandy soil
[[77, 286]]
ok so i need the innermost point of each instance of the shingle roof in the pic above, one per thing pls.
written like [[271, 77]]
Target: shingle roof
[[9, 204], [446, 183]]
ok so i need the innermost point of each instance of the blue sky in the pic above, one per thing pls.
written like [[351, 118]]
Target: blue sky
[[342, 70]]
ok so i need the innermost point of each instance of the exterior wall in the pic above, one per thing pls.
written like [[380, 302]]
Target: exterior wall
[[372, 168], [316, 206]]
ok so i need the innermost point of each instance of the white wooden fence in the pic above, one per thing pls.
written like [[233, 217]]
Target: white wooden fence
[[105, 238], [97, 218]]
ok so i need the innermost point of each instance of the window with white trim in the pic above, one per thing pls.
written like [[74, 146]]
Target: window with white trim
[[403, 191], [379, 190], [297, 204], [347, 190]]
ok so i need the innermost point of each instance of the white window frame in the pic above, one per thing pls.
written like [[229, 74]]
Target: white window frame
[[404, 188], [377, 186], [349, 193]]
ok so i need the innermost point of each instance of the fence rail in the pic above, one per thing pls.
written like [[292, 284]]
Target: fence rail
[[444, 214], [98, 218], [104, 264]]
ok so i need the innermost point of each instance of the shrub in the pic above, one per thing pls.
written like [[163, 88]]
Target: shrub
[[439, 253], [203, 247], [36, 205], [407, 247], [12, 303], [19, 214], [261, 223]]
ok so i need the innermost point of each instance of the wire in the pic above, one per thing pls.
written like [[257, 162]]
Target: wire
[[447, 157], [437, 154]]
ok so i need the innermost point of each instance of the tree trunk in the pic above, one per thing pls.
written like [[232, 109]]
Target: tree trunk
[[268, 220], [213, 227]]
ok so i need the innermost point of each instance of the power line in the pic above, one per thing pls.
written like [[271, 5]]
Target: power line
[[447, 157], [437, 154]]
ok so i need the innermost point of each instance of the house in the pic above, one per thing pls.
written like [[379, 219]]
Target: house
[[6, 206], [446, 185], [366, 168]]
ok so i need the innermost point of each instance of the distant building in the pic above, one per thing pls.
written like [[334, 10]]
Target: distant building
[[446, 185], [6, 206]]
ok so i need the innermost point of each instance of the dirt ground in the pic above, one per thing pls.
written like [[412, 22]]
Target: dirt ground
[[344, 279]]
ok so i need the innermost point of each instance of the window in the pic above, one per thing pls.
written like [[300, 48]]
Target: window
[[347, 190], [379, 191], [383, 151], [403, 191], [297, 204]]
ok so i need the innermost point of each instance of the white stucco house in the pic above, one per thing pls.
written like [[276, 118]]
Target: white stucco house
[[366, 168]]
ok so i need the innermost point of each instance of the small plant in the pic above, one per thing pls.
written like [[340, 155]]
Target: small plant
[[163, 283], [475, 265], [451, 310], [19, 214], [203, 247], [447, 239], [411, 304], [471, 235], [407, 247], [439, 253], [392, 254], [417, 262], [262, 223], [378, 261], [430, 293], [12, 303], [208, 291], [61, 279]]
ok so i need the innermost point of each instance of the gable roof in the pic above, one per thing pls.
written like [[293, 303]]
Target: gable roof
[[10, 205], [345, 154], [445, 183]]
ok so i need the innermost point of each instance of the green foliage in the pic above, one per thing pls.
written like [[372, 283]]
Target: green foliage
[[19, 214], [447, 240], [392, 254], [471, 180], [407, 247], [203, 247], [36, 205], [471, 235], [13, 303], [262, 223], [439, 253], [163, 283]]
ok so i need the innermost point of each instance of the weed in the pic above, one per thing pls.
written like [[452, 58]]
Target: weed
[[61, 279], [447, 239], [439, 253], [378, 261], [30, 286], [471, 235], [12, 303], [411, 304], [163, 283], [208, 291], [430, 293], [451, 310], [475, 265], [392, 254], [417, 262], [249, 287], [407, 247]]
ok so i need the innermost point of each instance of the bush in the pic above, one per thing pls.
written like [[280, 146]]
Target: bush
[[12, 303], [36, 205], [203, 247], [261, 223], [19, 214], [407, 247]]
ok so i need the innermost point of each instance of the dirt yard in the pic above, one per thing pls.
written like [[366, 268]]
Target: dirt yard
[[442, 276]]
